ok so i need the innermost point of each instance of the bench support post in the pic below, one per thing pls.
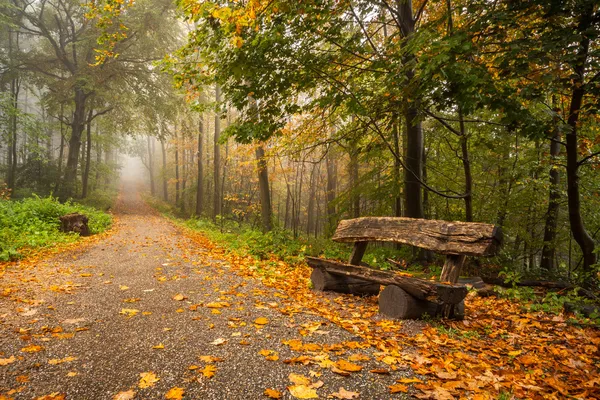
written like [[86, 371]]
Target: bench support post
[[452, 267], [357, 253]]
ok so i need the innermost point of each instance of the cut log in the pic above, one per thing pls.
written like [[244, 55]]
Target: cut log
[[466, 238], [75, 222], [394, 302], [324, 281], [419, 288]]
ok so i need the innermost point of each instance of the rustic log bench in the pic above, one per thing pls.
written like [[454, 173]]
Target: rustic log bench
[[407, 297]]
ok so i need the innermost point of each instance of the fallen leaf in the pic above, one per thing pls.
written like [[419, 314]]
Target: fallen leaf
[[209, 371], [159, 346], [303, 392], [87, 275], [128, 395], [72, 374], [53, 396], [298, 379], [32, 348], [339, 371], [175, 393], [380, 371], [409, 380], [130, 312], [345, 394], [147, 380], [398, 388], [22, 379], [6, 361], [446, 375], [123, 287], [178, 297], [261, 321], [219, 341], [210, 359], [56, 361], [273, 394], [347, 366]]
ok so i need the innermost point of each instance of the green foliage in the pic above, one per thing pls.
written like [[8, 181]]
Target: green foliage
[[100, 199], [33, 223]]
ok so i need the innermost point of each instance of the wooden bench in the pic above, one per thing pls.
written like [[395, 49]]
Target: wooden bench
[[407, 297]]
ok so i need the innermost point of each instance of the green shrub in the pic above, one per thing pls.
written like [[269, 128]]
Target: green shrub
[[34, 223]]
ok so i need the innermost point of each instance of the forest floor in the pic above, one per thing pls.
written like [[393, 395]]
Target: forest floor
[[153, 311]]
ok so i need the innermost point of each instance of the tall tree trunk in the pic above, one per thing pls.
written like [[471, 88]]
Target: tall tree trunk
[[15, 86], [151, 165], [77, 126], [88, 156], [331, 189], [61, 151], [98, 158], [580, 234], [200, 187], [165, 185], [310, 217], [397, 169], [177, 194], [265, 196], [466, 162], [217, 157], [413, 173], [354, 177]]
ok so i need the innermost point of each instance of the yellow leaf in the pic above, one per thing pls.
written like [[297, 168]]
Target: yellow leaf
[[159, 346], [175, 393], [219, 341], [398, 388], [147, 380], [303, 392], [409, 380], [261, 321], [446, 375], [210, 359], [209, 371], [299, 379], [32, 348], [72, 374], [123, 287], [273, 394], [60, 361], [86, 275], [130, 312], [347, 366], [128, 395], [6, 361], [178, 297], [345, 394], [514, 353]]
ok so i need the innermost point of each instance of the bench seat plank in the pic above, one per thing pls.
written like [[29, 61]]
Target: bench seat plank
[[460, 238]]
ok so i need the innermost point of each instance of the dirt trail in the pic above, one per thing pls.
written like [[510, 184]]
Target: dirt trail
[[98, 313]]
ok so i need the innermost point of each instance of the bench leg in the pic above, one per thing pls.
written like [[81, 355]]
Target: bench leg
[[395, 302]]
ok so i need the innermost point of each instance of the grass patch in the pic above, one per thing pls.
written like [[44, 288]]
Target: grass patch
[[33, 223]]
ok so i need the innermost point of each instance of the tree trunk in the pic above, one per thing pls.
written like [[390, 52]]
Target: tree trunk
[[580, 234], [217, 157], [310, 217], [164, 170], [464, 147], [265, 196], [151, 165], [15, 87], [77, 126], [177, 194], [331, 189], [200, 187], [354, 176], [88, 156]]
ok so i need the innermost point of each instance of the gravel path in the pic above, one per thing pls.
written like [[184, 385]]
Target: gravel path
[[145, 299]]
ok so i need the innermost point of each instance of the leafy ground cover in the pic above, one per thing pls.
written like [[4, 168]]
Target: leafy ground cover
[[33, 223]]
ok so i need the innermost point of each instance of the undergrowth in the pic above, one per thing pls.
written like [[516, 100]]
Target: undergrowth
[[33, 223]]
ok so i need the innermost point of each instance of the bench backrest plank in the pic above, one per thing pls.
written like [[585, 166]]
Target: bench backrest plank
[[444, 237]]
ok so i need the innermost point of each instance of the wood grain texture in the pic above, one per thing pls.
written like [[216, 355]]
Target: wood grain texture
[[419, 288], [460, 238], [324, 281]]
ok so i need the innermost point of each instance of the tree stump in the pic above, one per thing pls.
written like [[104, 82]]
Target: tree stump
[[395, 302], [323, 281], [75, 222]]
